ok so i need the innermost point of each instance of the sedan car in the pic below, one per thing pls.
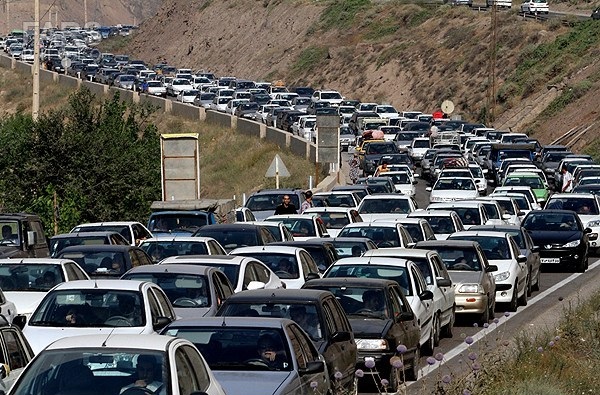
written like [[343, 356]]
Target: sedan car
[[243, 272], [561, 237], [384, 234], [187, 95], [335, 218], [451, 189], [386, 206], [133, 231], [25, 282], [294, 266], [471, 275], [261, 355], [501, 250], [104, 364], [317, 312], [58, 242], [238, 234], [442, 222], [535, 7], [382, 320], [97, 307], [302, 226], [159, 248], [106, 260]]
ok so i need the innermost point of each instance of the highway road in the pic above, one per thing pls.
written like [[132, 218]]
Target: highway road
[[543, 311]]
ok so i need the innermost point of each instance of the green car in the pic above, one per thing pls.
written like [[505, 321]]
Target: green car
[[532, 180]]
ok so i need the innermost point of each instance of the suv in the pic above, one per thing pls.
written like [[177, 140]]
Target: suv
[[22, 236], [317, 312], [263, 202]]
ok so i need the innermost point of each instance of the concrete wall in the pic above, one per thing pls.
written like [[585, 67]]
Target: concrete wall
[[48, 77], [97, 89], [66, 80], [5, 62], [187, 111], [218, 118], [124, 94], [155, 101], [298, 146], [248, 127], [277, 136], [24, 68]]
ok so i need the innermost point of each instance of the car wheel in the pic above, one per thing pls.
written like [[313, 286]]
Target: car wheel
[[514, 302], [485, 316], [581, 266], [429, 346], [529, 285], [447, 331], [412, 373], [536, 286], [523, 298], [436, 329]]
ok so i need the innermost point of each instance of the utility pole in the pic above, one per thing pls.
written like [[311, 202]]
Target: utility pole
[[35, 108], [491, 102], [7, 3], [85, 14]]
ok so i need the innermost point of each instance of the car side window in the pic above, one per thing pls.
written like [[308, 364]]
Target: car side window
[[399, 302], [142, 258], [329, 319], [305, 262], [303, 346], [191, 371], [223, 284], [418, 279], [249, 275], [164, 304], [339, 316], [214, 248], [72, 274], [17, 356], [154, 306], [440, 268], [261, 273]]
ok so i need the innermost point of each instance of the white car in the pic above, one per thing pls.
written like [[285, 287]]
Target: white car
[[471, 213], [178, 85], [386, 111], [103, 307], [535, 7], [402, 182], [512, 277], [156, 88], [187, 96], [418, 147], [438, 282], [302, 226], [527, 191], [451, 189], [386, 206], [220, 103], [512, 214], [107, 364], [232, 105], [333, 97], [418, 228], [27, 55], [335, 218], [293, 265], [443, 223], [243, 272], [165, 245], [406, 274], [383, 233], [25, 282], [478, 175], [134, 232]]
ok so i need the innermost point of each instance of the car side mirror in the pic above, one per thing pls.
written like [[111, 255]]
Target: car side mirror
[[520, 213], [506, 217], [426, 295], [20, 321], [406, 316], [31, 238], [416, 175], [312, 276], [312, 367], [492, 268], [160, 323], [443, 282], [255, 285], [341, 336], [521, 259], [428, 189]]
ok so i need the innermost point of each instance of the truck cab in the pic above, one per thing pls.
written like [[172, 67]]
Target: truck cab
[[22, 236]]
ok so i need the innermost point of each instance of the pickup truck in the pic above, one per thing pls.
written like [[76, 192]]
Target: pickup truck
[[22, 236], [184, 217]]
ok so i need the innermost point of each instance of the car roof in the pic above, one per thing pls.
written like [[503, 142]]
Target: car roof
[[275, 249], [245, 322], [97, 247], [372, 260], [171, 237], [433, 213], [456, 203], [84, 234], [129, 285], [482, 233], [351, 282], [211, 259], [175, 268], [281, 295], [34, 261], [114, 341], [432, 244], [572, 195], [315, 241], [406, 253], [328, 209], [109, 223]]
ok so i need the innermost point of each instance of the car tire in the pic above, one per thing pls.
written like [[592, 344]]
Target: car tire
[[437, 329], [447, 331], [485, 316], [523, 299], [429, 346], [412, 373], [514, 301], [536, 286], [529, 285]]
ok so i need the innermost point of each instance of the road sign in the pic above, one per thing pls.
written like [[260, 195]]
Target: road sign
[[277, 169], [447, 107]]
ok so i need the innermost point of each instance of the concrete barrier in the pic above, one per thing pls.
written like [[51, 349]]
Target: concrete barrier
[[248, 127], [312, 154], [124, 94], [202, 113], [154, 101], [97, 89], [24, 68], [184, 110], [5, 62], [218, 118], [48, 77], [298, 146], [66, 80], [277, 136]]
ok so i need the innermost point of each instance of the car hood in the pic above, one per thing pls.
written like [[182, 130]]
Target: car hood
[[465, 277], [262, 382], [504, 265], [25, 301], [541, 237], [369, 327], [9, 251]]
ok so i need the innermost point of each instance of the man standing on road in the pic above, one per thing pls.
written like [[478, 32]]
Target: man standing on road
[[286, 207], [307, 203], [567, 180]]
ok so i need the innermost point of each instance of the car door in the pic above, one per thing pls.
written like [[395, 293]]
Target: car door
[[340, 349], [401, 332], [423, 309], [15, 352], [445, 296], [304, 353]]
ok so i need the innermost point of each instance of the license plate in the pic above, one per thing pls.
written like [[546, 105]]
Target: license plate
[[550, 260]]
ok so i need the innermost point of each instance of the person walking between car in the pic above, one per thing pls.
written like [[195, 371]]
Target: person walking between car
[[286, 207], [567, 180], [382, 168], [354, 168], [308, 202]]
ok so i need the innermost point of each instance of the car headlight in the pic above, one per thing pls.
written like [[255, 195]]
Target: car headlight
[[470, 289], [593, 224], [574, 243], [371, 344], [502, 276]]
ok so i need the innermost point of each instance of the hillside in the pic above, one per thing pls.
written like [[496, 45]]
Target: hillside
[[411, 55], [71, 12]]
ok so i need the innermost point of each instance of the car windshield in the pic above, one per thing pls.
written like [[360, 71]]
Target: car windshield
[[379, 206], [334, 220], [454, 184], [551, 222], [81, 370], [177, 222], [161, 249], [388, 272], [231, 238], [476, 172], [533, 182], [380, 148], [441, 225], [29, 277], [493, 247], [400, 178], [463, 259], [382, 236], [305, 314], [330, 96], [58, 243], [239, 349], [583, 206], [268, 202], [90, 308], [361, 302], [122, 229], [183, 290], [284, 265], [421, 144], [346, 249]]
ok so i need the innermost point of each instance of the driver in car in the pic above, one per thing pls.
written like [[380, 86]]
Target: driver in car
[[146, 381]]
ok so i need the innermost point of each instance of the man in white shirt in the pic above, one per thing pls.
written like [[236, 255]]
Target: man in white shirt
[[567, 180]]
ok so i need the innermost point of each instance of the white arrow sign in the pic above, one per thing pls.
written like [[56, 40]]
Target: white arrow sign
[[277, 169]]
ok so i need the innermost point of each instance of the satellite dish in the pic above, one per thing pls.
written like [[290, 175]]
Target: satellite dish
[[66, 63], [95, 54], [447, 107]]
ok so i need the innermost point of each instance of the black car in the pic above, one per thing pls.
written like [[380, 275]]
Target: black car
[[560, 236], [380, 327], [59, 242], [317, 312], [55, 64], [100, 261], [322, 250], [235, 235]]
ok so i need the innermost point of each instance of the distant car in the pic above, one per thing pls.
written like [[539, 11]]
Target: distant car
[[317, 312], [302, 226], [107, 364], [279, 231], [159, 248], [243, 272], [386, 206], [106, 260], [156, 88], [233, 348], [133, 232], [347, 247], [443, 222], [320, 249], [187, 95], [24, 282], [58, 242], [335, 218], [97, 307], [264, 202], [237, 234], [535, 7], [450, 189], [124, 81], [194, 291], [385, 233]]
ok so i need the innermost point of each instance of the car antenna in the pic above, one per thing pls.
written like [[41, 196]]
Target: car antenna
[[223, 323], [95, 283], [108, 337]]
